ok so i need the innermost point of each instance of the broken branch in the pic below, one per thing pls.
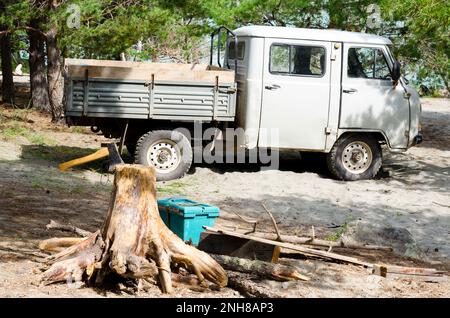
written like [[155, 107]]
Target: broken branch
[[273, 221]]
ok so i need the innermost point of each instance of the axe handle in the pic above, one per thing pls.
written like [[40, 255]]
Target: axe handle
[[102, 152]]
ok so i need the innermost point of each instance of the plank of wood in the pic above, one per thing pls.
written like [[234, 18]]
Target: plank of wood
[[392, 269], [379, 270], [168, 72], [132, 64], [301, 249], [318, 242], [102, 152]]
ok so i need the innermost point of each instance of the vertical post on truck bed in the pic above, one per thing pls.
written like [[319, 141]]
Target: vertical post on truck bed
[[151, 87], [216, 97], [86, 92]]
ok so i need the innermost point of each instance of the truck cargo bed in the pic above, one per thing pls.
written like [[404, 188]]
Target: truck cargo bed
[[137, 90]]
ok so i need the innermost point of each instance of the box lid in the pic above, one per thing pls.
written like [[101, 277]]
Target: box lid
[[187, 208]]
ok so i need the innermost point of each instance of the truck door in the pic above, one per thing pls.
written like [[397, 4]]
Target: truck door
[[369, 99], [296, 94]]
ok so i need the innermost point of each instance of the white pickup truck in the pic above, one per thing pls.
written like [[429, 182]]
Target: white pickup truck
[[335, 92]]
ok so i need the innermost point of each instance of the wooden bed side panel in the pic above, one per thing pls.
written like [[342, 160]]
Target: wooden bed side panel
[[143, 71]]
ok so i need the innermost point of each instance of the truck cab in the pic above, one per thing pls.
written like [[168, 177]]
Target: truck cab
[[327, 91]]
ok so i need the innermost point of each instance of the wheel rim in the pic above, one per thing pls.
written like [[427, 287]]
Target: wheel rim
[[357, 157], [164, 155]]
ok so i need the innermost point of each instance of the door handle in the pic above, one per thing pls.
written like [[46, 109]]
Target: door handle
[[272, 87], [350, 90]]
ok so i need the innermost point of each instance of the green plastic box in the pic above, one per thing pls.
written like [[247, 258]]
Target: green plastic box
[[186, 218]]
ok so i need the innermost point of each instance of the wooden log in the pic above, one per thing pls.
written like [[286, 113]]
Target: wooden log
[[134, 241], [243, 284], [260, 268]]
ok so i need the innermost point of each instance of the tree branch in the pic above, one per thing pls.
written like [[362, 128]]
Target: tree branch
[[31, 29], [24, 27], [273, 221]]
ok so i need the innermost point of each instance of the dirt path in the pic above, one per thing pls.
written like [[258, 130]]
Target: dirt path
[[413, 195]]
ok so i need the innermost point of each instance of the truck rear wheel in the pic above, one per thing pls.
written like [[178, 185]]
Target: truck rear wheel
[[169, 152], [355, 157]]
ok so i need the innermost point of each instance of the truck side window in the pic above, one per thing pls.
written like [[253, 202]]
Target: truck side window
[[241, 50], [279, 59], [367, 63], [297, 60]]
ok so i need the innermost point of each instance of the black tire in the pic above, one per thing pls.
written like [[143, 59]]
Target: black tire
[[340, 167], [173, 145]]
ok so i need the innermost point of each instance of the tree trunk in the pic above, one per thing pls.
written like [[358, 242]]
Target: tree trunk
[[7, 70], [38, 78], [54, 76], [134, 241], [444, 78]]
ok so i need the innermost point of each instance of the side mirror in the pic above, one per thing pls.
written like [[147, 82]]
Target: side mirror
[[396, 71]]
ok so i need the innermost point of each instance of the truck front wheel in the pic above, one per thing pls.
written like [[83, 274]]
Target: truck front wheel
[[355, 157], [169, 152]]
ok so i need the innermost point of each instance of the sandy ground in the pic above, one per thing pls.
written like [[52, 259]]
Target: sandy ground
[[413, 193]]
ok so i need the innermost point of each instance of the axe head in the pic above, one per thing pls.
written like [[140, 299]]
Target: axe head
[[114, 157]]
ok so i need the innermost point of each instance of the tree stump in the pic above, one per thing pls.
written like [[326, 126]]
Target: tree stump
[[134, 241]]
